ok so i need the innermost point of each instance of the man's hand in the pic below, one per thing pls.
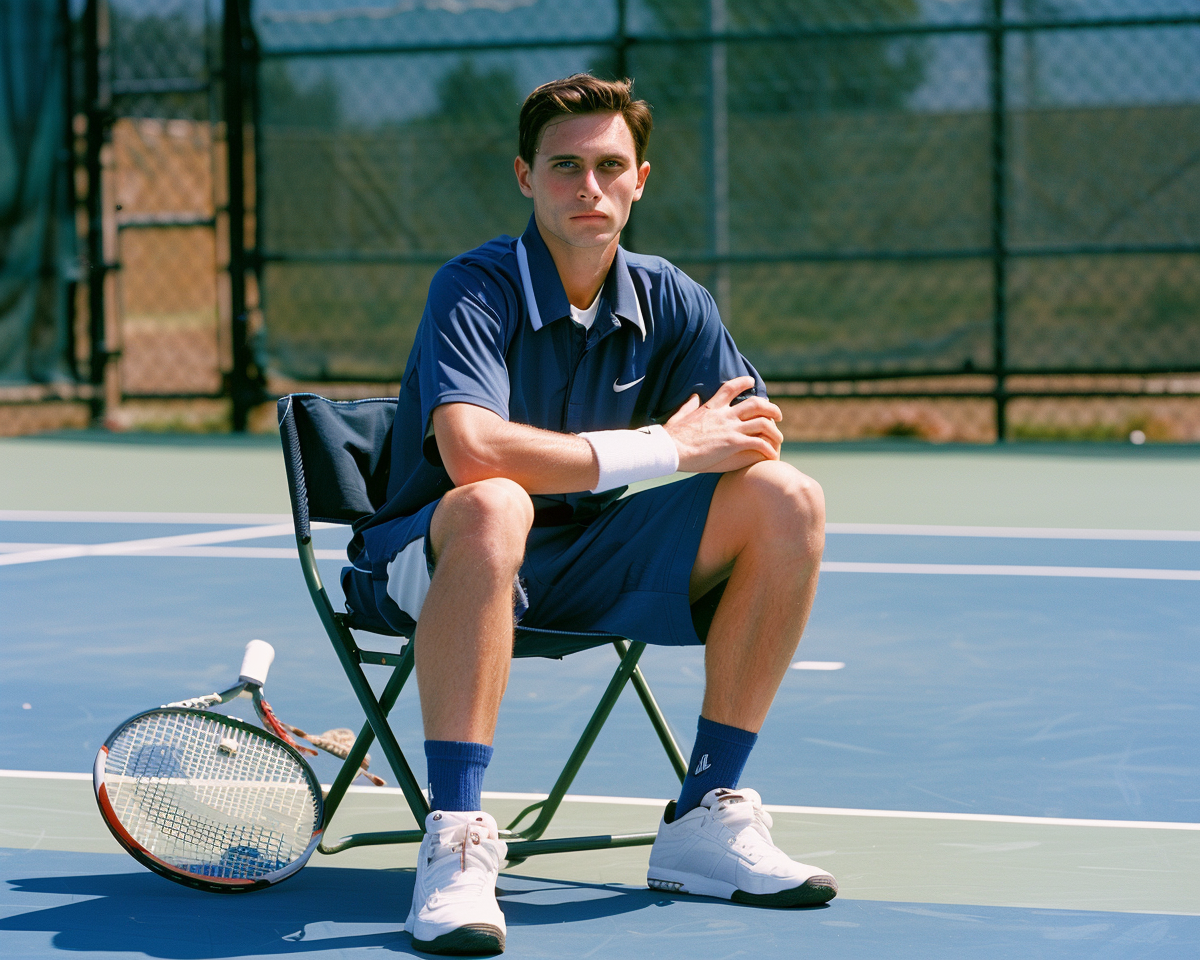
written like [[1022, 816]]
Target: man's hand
[[720, 436]]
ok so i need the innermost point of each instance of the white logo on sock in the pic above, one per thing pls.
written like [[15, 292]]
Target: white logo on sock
[[702, 766]]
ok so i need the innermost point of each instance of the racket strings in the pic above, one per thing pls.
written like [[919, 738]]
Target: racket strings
[[209, 798], [238, 849]]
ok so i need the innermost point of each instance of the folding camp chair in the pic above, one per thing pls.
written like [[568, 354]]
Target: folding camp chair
[[337, 455]]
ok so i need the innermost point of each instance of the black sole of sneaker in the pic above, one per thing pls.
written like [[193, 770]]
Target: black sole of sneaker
[[812, 893], [473, 940]]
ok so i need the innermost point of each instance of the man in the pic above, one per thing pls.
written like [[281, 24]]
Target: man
[[548, 373]]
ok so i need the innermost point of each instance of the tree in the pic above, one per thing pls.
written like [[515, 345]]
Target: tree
[[781, 76]]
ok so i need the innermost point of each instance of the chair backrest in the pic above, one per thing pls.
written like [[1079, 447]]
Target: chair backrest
[[337, 454]]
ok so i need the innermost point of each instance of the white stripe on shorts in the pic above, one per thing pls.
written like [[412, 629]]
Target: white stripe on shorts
[[408, 578]]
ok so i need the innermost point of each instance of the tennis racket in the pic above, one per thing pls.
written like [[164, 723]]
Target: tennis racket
[[207, 800]]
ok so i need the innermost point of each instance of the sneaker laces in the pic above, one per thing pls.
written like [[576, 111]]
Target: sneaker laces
[[737, 809], [470, 838], [465, 840]]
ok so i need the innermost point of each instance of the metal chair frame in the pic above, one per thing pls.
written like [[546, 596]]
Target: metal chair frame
[[523, 842]]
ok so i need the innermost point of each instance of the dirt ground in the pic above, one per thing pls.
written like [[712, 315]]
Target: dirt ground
[[1159, 418]]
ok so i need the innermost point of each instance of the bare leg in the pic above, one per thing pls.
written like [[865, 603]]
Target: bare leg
[[464, 637], [765, 532]]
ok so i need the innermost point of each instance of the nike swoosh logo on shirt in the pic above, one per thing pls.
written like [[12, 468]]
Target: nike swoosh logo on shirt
[[619, 387]]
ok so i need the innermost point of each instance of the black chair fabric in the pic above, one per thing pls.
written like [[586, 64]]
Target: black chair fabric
[[337, 455]]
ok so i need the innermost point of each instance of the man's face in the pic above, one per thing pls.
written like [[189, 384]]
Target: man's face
[[584, 179]]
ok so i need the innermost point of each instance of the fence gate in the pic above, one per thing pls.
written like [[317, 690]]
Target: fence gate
[[166, 244]]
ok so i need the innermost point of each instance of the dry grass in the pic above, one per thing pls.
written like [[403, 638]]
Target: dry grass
[[1162, 419]]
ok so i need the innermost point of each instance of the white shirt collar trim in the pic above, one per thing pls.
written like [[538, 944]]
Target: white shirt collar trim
[[535, 316], [637, 302]]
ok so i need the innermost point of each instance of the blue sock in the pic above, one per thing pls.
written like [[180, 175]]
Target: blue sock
[[718, 759], [456, 773]]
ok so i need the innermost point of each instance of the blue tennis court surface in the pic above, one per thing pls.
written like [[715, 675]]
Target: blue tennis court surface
[[989, 738], [102, 906]]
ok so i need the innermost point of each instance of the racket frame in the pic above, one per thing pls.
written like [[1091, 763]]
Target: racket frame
[[172, 872]]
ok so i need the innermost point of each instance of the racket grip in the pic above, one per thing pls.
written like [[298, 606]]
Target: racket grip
[[257, 662]]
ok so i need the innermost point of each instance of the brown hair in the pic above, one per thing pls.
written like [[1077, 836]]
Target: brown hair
[[579, 94]]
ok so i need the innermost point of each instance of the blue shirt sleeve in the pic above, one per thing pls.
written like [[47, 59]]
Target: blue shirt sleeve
[[708, 356], [462, 340]]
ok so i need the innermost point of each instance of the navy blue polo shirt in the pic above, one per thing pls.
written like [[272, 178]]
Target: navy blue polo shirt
[[497, 333]]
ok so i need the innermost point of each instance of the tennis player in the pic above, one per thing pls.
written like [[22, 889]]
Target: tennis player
[[550, 371]]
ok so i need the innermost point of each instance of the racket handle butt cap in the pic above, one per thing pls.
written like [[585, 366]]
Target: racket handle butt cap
[[256, 662]]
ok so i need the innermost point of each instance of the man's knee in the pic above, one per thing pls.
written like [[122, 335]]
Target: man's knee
[[788, 507], [493, 516]]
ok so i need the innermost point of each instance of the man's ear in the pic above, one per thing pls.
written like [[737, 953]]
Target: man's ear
[[643, 173], [523, 171]]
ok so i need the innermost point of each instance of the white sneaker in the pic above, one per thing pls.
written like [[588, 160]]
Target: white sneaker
[[723, 849], [454, 908]]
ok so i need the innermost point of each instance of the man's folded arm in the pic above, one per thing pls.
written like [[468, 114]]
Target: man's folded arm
[[476, 444]]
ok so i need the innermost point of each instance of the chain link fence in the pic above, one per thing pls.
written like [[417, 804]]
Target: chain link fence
[[919, 217], [981, 195]]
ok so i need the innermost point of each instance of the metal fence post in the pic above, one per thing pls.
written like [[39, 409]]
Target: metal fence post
[[245, 379], [718, 157], [999, 238], [254, 78], [69, 162], [97, 109], [621, 72]]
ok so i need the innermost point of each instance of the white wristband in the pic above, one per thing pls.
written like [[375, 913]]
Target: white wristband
[[626, 456]]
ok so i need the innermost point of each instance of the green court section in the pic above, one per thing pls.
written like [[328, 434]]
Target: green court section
[[1119, 869], [143, 472], [1084, 485], [1018, 485]]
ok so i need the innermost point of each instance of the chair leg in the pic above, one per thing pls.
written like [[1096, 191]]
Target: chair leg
[[347, 652], [377, 711], [353, 761], [658, 720], [548, 807], [377, 719]]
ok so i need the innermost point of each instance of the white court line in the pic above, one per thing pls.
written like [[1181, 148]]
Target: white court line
[[1031, 533], [884, 529], [193, 545], [773, 808], [181, 546], [245, 553], [234, 553], [852, 812], [108, 516], [133, 547], [1005, 570]]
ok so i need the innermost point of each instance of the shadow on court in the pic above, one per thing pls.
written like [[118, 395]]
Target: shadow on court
[[332, 909], [335, 910]]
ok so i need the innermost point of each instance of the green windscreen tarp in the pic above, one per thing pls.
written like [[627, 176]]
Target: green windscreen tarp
[[37, 243]]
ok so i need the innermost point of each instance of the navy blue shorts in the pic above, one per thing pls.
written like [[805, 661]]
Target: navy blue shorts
[[626, 573]]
